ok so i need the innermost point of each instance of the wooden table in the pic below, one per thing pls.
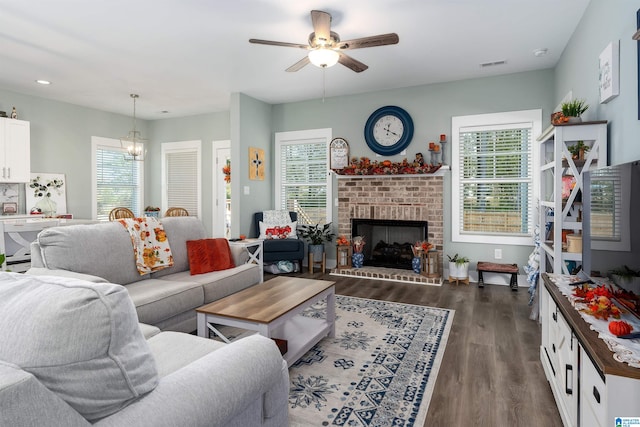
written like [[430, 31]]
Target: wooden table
[[272, 309]]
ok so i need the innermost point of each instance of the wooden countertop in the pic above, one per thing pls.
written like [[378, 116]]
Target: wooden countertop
[[597, 349]]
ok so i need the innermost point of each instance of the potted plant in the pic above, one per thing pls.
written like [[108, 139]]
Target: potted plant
[[578, 149], [573, 109], [316, 235], [458, 266]]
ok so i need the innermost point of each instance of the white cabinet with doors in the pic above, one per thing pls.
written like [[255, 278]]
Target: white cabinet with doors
[[15, 159], [590, 387], [561, 173]]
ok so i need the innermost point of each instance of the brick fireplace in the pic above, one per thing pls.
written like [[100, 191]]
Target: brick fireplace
[[398, 197]]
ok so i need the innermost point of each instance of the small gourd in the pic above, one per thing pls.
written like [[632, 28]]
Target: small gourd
[[619, 327]]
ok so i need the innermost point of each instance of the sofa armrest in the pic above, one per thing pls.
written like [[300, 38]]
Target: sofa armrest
[[40, 271], [25, 401], [213, 389], [240, 254]]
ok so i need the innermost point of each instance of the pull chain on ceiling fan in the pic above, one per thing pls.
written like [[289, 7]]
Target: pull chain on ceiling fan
[[326, 49]]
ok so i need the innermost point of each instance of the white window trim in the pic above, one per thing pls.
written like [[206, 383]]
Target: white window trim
[[98, 141], [482, 121], [176, 147], [295, 137]]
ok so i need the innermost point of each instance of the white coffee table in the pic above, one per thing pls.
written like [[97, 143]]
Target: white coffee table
[[272, 309]]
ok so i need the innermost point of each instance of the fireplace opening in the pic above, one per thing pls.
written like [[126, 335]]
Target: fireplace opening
[[389, 242]]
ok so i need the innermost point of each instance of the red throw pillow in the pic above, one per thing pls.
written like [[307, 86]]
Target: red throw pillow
[[209, 255]]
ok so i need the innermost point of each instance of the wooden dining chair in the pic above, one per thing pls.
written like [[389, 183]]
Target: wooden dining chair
[[119, 213], [176, 212]]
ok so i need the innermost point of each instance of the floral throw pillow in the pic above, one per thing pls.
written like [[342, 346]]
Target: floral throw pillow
[[286, 231]]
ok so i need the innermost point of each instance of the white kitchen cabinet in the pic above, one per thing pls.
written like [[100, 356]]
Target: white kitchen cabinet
[[15, 151]]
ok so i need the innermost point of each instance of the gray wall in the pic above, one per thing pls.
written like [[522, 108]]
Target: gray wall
[[431, 108], [605, 21]]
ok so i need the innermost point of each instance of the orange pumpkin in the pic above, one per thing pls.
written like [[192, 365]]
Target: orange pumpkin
[[619, 327]]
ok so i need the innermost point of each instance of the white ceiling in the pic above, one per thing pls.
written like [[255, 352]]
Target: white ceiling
[[188, 56]]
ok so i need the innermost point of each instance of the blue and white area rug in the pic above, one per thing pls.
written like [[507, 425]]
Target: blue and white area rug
[[379, 370]]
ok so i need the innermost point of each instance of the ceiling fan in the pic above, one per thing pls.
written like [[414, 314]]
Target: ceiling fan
[[326, 49]]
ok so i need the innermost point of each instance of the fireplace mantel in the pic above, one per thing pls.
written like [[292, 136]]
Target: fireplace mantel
[[440, 172]]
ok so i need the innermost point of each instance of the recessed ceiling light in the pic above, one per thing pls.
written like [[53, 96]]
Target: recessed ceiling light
[[540, 52], [43, 82]]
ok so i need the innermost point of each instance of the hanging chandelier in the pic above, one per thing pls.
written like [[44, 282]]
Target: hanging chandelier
[[133, 143]]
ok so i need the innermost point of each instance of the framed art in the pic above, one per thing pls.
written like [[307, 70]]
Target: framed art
[[9, 208], [609, 72], [256, 164], [47, 190], [338, 153]]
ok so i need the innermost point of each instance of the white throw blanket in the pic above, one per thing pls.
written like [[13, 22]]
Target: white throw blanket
[[150, 245]]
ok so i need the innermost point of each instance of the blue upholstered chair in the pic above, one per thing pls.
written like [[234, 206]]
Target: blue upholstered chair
[[279, 249]]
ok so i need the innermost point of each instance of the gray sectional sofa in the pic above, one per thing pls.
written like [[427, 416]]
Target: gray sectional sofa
[[73, 354], [166, 298]]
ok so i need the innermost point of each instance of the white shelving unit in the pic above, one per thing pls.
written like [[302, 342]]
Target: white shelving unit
[[557, 162]]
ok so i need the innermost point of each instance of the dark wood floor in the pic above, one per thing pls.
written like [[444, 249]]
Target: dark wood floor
[[491, 373]]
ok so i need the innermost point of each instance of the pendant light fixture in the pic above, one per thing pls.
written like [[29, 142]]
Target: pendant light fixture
[[133, 143]]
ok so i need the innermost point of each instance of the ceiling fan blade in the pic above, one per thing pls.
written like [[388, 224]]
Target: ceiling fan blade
[[349, 62], [273, 43], [298, 65], [379, 40], [321, 25]]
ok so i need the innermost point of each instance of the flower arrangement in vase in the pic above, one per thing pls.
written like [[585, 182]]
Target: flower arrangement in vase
[[419, 249], [357, 259], [46, 205]]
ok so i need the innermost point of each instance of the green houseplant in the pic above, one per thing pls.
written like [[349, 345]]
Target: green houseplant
[[316, 235], [574, 108], [458, 266]]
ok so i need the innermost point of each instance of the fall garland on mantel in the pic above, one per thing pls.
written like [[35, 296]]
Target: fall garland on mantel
[[364, 166]]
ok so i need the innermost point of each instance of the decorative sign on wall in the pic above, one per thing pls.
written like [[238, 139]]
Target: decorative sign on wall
[[256, 164], [339, 153], [609, 72]]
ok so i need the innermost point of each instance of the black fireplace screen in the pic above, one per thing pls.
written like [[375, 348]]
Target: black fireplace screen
[[389, 242]]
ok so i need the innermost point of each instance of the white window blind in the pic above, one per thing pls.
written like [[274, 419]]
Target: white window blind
[[118, 182], [182, 180], [495, 173], [606, 204], [302, 174]]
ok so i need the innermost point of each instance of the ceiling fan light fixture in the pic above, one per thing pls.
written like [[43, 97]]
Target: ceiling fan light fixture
[[323, 57]]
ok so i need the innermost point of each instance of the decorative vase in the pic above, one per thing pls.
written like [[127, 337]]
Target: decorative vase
[[47, 206], [357, 260], [416, 264], [459, 271], [574, 119]]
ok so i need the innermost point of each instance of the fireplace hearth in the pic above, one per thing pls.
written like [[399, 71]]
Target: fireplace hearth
[[389, 242]]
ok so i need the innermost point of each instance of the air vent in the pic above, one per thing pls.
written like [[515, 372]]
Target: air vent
[[493, 63]]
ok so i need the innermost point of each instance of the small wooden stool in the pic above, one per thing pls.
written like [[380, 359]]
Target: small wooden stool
[[494, 267], [322, 262]]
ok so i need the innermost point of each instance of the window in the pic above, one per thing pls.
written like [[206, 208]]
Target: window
[[117, 182], [493, 182], [610, 201], [302, 177], [181, 176]]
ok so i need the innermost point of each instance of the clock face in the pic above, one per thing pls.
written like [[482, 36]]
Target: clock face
[[389, 130]]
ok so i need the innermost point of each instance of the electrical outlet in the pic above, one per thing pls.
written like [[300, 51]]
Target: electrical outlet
[[497, 253]]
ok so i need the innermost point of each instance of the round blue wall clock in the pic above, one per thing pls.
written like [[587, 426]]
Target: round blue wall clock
[[388, 130]]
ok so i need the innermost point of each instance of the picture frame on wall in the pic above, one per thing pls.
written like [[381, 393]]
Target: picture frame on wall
[[609, 72], [9, 208], [256, 164]]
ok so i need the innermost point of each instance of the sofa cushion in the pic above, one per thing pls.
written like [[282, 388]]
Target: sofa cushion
[[84, 248], [179, 229], [160, 299], [219, 284], [80, 339], [207, 255]]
